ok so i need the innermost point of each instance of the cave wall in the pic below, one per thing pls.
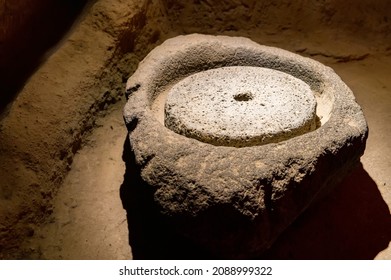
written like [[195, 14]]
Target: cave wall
[[51, 114], [28, 28], [352, 17]]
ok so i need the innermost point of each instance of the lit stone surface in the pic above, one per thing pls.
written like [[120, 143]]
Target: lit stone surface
[[240, 106]]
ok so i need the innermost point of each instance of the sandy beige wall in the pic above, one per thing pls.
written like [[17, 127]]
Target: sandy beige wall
[[362, 18], [52, 114]]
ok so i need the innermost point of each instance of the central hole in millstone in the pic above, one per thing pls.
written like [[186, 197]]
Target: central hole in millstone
[[245, 96]]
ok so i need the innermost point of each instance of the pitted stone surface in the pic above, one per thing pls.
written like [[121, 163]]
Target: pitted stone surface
[[233, 202], [240, 106]]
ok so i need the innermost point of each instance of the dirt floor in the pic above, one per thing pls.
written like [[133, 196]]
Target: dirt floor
[[75, 231], [62, 138]]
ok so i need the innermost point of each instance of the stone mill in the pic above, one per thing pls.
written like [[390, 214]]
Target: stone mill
[[231, 140]]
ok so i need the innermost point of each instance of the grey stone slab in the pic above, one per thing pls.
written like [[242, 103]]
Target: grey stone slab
[[240, 106]]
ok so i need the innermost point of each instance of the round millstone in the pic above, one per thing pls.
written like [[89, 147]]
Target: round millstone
[[240, 106]]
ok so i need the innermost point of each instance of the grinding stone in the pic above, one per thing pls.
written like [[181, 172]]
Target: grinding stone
[[240, 106]]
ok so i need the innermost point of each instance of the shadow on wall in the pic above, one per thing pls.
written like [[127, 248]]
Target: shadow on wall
[[27, 30], [353, 222]]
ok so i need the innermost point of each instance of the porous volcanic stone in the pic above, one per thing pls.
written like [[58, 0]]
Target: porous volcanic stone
[[234, 202], [240, 106]]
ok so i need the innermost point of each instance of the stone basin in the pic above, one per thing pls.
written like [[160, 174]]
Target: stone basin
[[234, 140]]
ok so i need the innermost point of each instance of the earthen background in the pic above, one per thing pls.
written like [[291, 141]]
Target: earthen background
[[63, 68]]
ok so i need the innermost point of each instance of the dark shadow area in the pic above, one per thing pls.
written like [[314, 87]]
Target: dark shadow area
[[149, 235], [353, 222], [30, 34]]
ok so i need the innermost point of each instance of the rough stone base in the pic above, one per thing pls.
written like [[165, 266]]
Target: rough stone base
[[233, 202]]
